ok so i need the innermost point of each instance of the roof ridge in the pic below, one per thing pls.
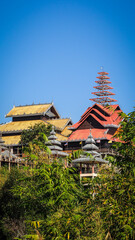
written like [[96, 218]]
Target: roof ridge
[[33, 104]]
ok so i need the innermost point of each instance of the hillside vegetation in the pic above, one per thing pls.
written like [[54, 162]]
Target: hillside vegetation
[[44, 200]]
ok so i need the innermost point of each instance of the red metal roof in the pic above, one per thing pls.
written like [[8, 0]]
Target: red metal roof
[[103, 77], [82, 134], [103, 100], [103, 73], [103, 93], [104, 81], [110, 116], [105, 87]]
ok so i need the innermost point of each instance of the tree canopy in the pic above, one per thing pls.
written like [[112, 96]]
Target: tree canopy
[[49, 201], [35, 133]]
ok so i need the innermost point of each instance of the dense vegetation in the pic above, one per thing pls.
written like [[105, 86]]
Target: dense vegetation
[[47, 201], [35, 135]]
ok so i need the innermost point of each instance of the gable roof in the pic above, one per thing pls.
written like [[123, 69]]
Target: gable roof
[[60, 124], [106, 116], [29, 110]]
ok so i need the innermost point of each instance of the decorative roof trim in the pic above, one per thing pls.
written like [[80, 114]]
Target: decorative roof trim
[[111, 125], [52, 105], [17, 131], [28, 105]]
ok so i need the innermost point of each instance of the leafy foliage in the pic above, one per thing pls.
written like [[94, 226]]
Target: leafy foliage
[[49, 202], [115, 186], [35, 134], [34, 143], [116, 200], [125, 160]]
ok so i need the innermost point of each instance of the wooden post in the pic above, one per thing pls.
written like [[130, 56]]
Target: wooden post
[[0, 156], [18, 157], [80, 170], [17, 162], [9, 165], [87, 167], [92, 170]]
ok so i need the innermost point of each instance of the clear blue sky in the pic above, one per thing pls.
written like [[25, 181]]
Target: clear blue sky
[[52, 50]]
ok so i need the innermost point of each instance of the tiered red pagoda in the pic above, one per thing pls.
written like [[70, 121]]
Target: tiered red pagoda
[[102, 87], [102, 118]]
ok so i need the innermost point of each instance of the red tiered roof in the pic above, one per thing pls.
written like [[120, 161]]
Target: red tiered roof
[[103, 100], [103, 77], [102, 81], [105, 87], [102, 94], [107, 117], [103, 73]]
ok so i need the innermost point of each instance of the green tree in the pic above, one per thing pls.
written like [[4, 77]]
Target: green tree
[[115, 198], [125, 159], [115, 185], [36, 135], [40, 195], [34, 143], [49, 202], [11, 209]]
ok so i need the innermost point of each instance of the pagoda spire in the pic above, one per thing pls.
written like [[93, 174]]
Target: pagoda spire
[[102, 88], [55, 145]]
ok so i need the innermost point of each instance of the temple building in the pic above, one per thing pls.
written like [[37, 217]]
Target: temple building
[[90, 160], [25, 116], [102, 118]]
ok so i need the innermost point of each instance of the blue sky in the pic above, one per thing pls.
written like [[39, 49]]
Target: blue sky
[[52, 50]]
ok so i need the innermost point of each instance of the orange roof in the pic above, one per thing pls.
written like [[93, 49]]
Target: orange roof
[[103, 77], [103, 73], [110, 116], [82, 134]]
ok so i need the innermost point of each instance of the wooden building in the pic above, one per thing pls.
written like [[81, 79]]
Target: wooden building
[[102, 118], [103, 122], [25, 116]]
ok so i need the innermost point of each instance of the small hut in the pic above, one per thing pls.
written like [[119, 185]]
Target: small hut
[[90, 160], [6, 156]]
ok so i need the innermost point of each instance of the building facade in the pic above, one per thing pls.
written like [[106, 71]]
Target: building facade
[[26, 116]]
